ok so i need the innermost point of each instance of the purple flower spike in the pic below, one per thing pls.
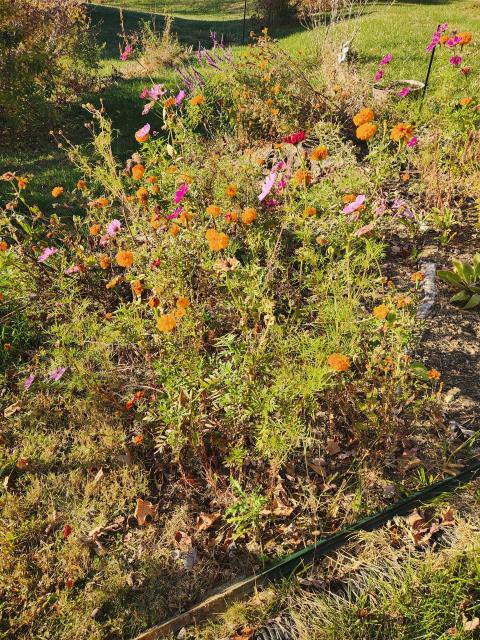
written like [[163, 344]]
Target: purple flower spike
[[28, 382]]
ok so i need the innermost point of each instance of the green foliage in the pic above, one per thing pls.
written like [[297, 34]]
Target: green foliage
[[466, 278], [47, 58], [244, 513]]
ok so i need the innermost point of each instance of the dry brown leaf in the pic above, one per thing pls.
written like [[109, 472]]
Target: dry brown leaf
[[207, 520], [333, 448], [448, 516], [245, 634], [144, 512], [11, 409], [471, 625], [317, 465]]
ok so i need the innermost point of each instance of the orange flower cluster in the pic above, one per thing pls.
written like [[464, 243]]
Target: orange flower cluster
[[217, 240], [197, 100], [249, 215], [402, 132], [231, 190], [57, 191], [338, 362], [302, 177], [138, 171], [381, 312], [124, 258], [213, 210], [363, 116], [167, 322], [366, 131], [319, 153]]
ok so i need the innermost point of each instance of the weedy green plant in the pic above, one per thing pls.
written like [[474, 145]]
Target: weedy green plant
[[244, 513], [466, 278]]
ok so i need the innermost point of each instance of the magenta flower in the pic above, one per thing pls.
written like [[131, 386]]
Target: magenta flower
[[267, 185], [386, 59], [452, 42], [56, 374], [379, 75], [144, 93], [180, 97], [28, 382], [126, 53], [404, 92], [113, 227], [295, 138], [175, 214], [412, 142], [156, 91], [355, 205], [144, 131], [49, 251], [456, 61], [181, 192]]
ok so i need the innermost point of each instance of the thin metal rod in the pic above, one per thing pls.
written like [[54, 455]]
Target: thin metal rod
[[244, 21]]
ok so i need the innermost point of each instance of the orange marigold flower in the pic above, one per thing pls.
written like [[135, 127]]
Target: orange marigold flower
[[310, 211], [81, 185], [197, 100], [302, 177], [22, 182], [153, 302], [249, 215], [366, 131], [171, 169], [418, 276], [402, 132], [349, 197], [3, 245], [363, 117], [169, 103], [166, 323], [381, 312], [142, 195], [155, 189], [231, 216], [137, 440], [7, 346], [155, 221], [104, 262], [174, 229], [124, 258], [402, 301], [182, 303], [433, 374], [466, 37], [152, 179], [137, 287], [231, 190], [179, 313], [137, 171], [213, 210], [95, 229], [217, 240], [465, 101], [274, 111], [444, 39], [338, 362], [319, 153], [57, 191], [101, 202]]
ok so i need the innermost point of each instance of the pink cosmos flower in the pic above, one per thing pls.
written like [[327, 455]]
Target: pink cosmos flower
[[175, 214], [144, 131], [156, 91], [113, 227], [404, 92], [180, 97], [355, 205], [126, 53], [144, 93], [181, 192], [412, 142], [49, 251], [147, 108], [379, 75], [386, 59], [56, 374], [456, 61], [73, 269], [267, 185], [28, 382]]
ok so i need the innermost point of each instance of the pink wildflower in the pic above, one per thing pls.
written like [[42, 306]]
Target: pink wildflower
[[126, 53], [412, 142], [49, 251], [114, 227], [175, 214], [355, 205], [28, 382], [456, 61], [180, 97], [295, 138], [386, 59], [267, 185], [379, 75], [56, 374], [404, 92], [181, 192]]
